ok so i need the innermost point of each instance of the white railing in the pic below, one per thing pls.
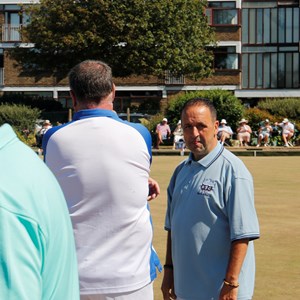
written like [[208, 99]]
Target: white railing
[[170, 79], [11, 33]]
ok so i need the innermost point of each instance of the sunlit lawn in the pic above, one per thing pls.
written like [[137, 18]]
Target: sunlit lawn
[[277, 196]]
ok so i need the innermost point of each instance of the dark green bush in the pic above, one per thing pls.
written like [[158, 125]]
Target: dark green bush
[[255, 116], [282, 108], [22, 119]]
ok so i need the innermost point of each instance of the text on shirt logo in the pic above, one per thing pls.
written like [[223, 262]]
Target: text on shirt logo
[[206, 187]]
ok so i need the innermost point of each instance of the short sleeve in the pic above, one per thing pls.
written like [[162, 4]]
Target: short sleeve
[[241, 210], [21, 254]]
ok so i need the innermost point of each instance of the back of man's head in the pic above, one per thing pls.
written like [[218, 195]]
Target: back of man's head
[[91, 81]]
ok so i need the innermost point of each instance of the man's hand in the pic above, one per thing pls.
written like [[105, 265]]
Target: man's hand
[[167, 286], [228, 293], [154, 189]]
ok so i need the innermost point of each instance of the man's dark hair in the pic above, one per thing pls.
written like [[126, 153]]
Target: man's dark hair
[[201, 102], [91, 81]]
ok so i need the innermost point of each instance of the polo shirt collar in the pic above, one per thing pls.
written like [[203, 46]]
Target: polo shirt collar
[[208, 159], [7, 135], [92, 113]]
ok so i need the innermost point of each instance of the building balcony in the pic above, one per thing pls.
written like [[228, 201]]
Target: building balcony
[[172, 80], [11, 33]]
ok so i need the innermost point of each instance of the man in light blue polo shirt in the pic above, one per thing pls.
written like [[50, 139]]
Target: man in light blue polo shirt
[[37, 248], [211, 218]]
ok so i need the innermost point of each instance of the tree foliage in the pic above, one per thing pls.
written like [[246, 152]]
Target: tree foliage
[[133, 36]]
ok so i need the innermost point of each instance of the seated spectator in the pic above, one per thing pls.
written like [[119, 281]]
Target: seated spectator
[[39, 136], [288, 130], [163, 132], [244, 133], [224, 131], [264, 133], [178, 136]]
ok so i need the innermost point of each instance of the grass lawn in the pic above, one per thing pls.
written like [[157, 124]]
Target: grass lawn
[[277, 198]]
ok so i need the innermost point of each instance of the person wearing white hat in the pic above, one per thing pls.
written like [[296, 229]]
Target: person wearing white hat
[[163, 132], [244, 132], [39, 136], [264, 133], [224, 131], [178, 136], [288, 130]]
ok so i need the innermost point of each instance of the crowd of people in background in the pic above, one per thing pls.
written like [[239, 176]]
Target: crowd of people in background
[[262, 137], [244, 135]]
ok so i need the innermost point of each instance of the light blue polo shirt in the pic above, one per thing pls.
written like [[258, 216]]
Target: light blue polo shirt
[[210, 204], [37, 249]]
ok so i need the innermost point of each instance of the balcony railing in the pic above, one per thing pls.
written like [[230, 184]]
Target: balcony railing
[[11, 33], [170, 79]]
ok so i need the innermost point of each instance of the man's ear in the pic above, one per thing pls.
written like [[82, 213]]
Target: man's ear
[[113, 92], [74, 100], [216, 126]]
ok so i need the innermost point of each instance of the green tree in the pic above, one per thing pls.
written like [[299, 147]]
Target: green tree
[[133, 36]]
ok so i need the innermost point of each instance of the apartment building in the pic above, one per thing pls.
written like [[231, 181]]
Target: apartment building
[[270, 49], [257, 57]]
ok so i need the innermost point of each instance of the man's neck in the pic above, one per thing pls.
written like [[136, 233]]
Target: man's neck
[[108, 105]]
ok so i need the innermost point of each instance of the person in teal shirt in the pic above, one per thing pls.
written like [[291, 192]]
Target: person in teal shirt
[[37, 249]]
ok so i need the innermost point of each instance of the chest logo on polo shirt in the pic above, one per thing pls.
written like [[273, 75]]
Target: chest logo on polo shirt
[[206, 187]]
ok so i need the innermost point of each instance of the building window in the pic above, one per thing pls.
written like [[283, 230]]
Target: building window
[[270, 45], [226, 58], [1, 67], [222, 13], [14, 19], [146, 102], [270, 25], [270, 70]]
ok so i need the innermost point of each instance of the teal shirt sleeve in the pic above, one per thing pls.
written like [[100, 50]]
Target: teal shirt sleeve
[[21, 254]]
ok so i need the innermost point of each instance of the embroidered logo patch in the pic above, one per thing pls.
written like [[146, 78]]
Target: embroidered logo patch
[[206, 187]]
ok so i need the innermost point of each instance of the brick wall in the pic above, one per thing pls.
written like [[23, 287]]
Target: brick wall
[[227, 33], [14, 76], [137, 80], [219, 78]]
